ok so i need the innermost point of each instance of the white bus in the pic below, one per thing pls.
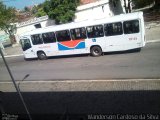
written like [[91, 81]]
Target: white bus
[[118, 33]]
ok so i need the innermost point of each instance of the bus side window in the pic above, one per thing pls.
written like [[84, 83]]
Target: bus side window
[[49, 37], [36, 39], [113, 29], [95, 31], [78, 33], [63, 35], [131, 26]]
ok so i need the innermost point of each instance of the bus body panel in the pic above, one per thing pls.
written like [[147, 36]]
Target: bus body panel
[[29, 53], [95, 42], [50, 49], [71, 47]]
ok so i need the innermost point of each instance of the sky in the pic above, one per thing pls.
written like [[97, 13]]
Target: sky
[[20, 4]]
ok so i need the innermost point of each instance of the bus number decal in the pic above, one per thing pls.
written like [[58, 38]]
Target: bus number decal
[[44, 47], [133, 38]]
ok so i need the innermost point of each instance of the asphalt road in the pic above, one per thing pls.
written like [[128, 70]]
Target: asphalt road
[[119, 65]]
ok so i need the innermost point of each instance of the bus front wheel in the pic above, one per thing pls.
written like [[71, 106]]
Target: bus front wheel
[[41, 55], [96, 51]]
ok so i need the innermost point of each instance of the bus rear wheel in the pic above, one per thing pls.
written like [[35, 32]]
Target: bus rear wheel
[[138, 50], [96, 51], [41, 55]]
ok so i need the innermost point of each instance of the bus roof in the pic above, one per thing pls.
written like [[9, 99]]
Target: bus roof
[[117, 18]]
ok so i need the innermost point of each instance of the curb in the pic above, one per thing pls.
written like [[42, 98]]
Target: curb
[[13, 55], [83, 85], [8, 56], [152, 41], [151, 26]]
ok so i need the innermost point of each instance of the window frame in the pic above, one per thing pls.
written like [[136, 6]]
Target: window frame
[[93, 26], [40, 35], [130, 21], [80, 33], [63, 40], [23, 45], [113, 34], [38, 25], [55, 40]]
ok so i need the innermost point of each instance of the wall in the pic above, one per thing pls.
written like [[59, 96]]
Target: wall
[[4, 38], [29, 25], [87, 1], [99, 9]]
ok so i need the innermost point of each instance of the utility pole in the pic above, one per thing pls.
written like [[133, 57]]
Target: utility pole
[[15, 85], [2, 47]]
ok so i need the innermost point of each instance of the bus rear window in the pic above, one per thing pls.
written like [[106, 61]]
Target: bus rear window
[[113, 29], [78, 33], [49, 37], [95, 31], [36, 39], [131, 26], [63, 35]]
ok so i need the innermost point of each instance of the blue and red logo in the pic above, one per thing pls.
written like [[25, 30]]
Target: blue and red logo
[[69, 45]]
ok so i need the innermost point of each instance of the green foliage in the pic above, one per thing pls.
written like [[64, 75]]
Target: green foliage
[[62, 11], [7, 18], [34, 10], [38, 11], [26, 9], [142, 3], [7, 15]]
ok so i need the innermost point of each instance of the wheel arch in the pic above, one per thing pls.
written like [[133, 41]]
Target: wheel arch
[[39, 55], [40, 51], [97, 46]]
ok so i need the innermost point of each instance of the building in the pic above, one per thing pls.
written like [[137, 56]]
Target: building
[[97, 9], [32, 24], [88, 10]]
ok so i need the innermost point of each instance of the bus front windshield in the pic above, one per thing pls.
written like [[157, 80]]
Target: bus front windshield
[[25, 44]]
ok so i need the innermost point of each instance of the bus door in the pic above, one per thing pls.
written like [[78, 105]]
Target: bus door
[[27, 48], [114, 34]]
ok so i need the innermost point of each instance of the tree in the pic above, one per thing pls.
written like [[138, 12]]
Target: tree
[[7, 18], [62, 11], [38, 11], [142, 3], [34, 10], [26, 9]]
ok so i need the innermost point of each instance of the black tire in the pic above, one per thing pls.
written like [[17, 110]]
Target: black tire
[[26, 59], [137, 50], [96, 51], [41, 55]]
